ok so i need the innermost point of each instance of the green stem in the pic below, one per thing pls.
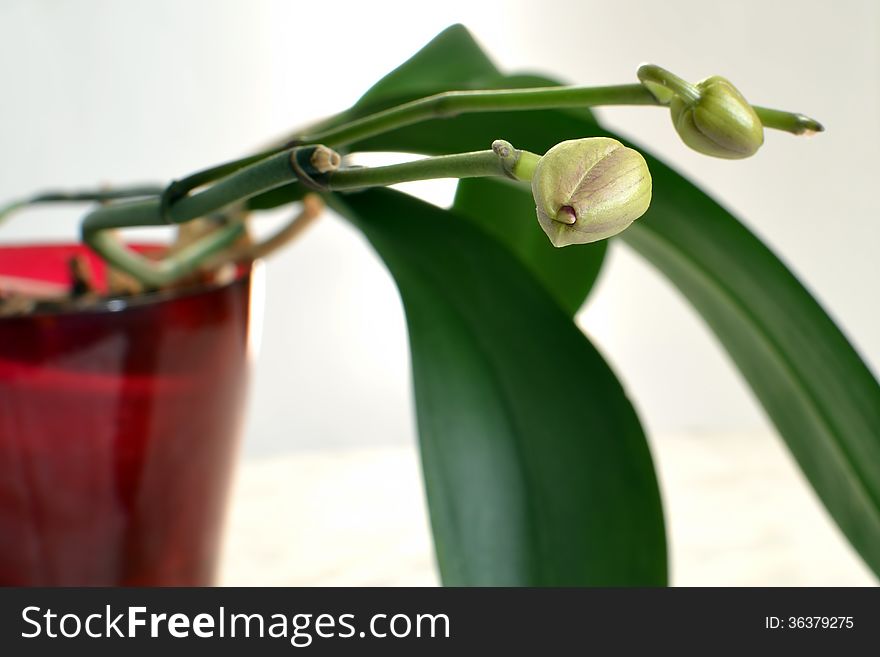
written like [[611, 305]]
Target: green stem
[[263, 176], [153, 273], [460, 165], [241, 185], [241, 179], [453, 103], [440, 105], [203, 177], [257, 178], [796, 124], [661, 84]]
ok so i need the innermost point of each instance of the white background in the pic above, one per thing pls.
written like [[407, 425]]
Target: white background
[[115, 92]]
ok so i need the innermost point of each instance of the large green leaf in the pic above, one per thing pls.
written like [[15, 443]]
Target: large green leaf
[[822, 398], [537, 470], [820, 395]]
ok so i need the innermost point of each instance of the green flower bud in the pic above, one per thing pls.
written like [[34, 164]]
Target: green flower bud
[[589, 189], [720, 122]]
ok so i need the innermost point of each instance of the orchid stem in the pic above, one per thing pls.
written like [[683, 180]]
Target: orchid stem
[[796, 124], [279, 169], [454, 103], [244, 178]]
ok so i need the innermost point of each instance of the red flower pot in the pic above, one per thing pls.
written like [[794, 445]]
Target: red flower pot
[[118, 430]]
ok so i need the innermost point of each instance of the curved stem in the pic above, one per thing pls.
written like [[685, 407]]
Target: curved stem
[[453, 103], [279, 169], [312, 205], [664, 84], [241, 179], [449, 103], [656, 88], [244, 183], [163, 272]]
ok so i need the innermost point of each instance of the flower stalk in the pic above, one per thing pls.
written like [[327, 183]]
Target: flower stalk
[[316, 166], [656, 89], [710, 116]]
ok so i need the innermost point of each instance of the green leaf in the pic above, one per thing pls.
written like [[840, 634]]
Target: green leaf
[[537, 470], [820, 395], [505, 210]]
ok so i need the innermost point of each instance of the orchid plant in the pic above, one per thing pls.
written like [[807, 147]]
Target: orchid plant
[[536, 466]]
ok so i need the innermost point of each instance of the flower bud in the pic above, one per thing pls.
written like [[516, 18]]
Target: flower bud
[[590, 189], [720, 122]]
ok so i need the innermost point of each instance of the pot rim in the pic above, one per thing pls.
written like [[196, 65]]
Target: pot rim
[[106, 304]]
